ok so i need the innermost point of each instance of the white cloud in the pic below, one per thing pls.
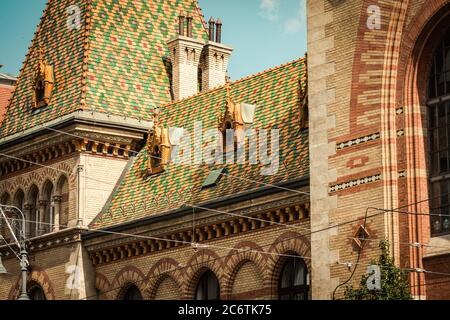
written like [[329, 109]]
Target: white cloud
[[269, 9], [295, 24]]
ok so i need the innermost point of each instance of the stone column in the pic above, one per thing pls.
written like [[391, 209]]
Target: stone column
[[27, 208], [42, 208], [56, 212]]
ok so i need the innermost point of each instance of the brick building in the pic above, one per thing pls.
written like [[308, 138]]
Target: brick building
[[7, 83], [372, 99], [106, 103], [92, 127]]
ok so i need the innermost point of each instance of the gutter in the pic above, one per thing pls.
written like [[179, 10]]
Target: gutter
[[248, 195], [80, 116]]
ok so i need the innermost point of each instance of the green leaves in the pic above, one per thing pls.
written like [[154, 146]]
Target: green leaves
[[394, 281]]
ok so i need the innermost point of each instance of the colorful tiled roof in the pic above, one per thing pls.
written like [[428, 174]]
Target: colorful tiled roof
[[115, 63], [276, 93]]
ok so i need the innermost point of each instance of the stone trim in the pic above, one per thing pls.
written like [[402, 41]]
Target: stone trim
[[212, 231], [358, 141], [354, 183]]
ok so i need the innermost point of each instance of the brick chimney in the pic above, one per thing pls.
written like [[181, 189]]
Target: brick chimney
[[215, 58], [185, 52]]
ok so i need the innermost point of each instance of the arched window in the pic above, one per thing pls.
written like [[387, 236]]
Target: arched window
[[132, 293], [36, 292], [294, 280], [439, 133], [61, 202], [5, 200], [47, 207], [208, 287]]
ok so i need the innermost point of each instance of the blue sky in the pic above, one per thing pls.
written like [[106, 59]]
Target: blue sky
[[264, 33]]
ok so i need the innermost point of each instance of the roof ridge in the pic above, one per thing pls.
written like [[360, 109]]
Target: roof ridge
[[26, 60], [200, 13], [234, 82]]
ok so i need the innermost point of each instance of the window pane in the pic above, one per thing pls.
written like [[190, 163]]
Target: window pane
[[447, 58], [432, 117], [292, 282], [441, 84], [208, 287], [432, 87], [447, 83], [441, 116], [443, 161], [439, 61], [434, 140], [442, 138]]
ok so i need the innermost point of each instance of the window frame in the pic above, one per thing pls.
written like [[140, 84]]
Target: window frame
[[438, 125], [204, 280], [294, 290]]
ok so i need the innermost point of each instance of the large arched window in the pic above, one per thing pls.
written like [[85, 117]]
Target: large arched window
[[132, 293], [294, 280], [439, 133], [208, 287]]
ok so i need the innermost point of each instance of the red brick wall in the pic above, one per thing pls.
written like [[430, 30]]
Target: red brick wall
[[438, 286], [5, 94]]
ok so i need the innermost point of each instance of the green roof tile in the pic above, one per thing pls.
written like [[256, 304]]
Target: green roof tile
[[276, 93], [115, 63]]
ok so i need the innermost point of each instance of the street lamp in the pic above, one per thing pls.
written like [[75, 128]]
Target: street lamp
[[23, 254]]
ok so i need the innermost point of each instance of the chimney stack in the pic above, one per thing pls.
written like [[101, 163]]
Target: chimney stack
[[181, 22], [215, 58], [212, 26], [189, 26], [185, 52], [219, 31]]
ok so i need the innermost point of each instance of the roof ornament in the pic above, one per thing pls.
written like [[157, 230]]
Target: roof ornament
[[158, 148], [231, 119], [43, 81]]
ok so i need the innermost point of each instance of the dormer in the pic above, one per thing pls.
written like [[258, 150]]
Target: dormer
[[43, 82], [158, 150], [230, 125]]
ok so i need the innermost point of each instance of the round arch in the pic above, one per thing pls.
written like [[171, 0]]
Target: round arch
[[243, 253], [200, 262], [160, 271], [125, 278], [36, 277]]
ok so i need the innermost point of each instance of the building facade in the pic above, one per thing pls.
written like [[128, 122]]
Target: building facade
[[108, 147], [374, 143], [88, 157], [7, 83]]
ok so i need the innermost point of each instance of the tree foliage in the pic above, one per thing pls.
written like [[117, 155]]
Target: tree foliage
[[394, 281]]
